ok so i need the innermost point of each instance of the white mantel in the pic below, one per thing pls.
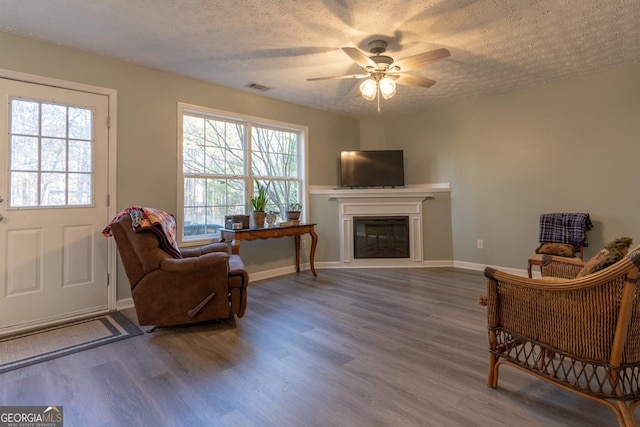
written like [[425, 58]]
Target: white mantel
[[406, 201]]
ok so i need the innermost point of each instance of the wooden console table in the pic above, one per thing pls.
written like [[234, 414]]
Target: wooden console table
[[236, 236]]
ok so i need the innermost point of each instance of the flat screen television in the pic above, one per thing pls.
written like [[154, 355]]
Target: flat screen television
[[375, 168]]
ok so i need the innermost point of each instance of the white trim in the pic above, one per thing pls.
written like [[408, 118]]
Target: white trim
[[480, 267], [49, 81], [268, 274], [353, 203], [124, 303], [407, 190], [112, 187], [438, 263]]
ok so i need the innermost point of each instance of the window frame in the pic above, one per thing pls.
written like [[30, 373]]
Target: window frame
[[248, 177]]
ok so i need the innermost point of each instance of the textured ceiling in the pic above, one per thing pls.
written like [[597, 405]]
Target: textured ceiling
[[495, 45]]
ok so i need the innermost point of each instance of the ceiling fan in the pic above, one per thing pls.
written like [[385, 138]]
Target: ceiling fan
[[383, 72]]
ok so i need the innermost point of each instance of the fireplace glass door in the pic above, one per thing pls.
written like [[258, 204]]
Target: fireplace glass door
[[381, 237]]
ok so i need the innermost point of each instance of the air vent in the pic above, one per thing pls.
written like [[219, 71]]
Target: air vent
[[257, 86]]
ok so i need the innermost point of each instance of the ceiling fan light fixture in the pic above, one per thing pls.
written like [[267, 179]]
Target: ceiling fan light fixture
[[387, 87], [381, 71], [369, 89]]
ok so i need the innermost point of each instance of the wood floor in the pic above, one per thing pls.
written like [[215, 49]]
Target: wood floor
[[352, 347]]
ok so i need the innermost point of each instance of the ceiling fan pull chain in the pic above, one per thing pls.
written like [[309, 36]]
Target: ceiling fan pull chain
[[378, 89]]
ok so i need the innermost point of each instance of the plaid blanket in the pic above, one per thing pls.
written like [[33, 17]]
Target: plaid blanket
[[568, 228], [159, 222]]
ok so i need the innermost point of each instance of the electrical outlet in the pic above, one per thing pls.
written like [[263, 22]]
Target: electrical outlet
[[480, 244], [303, 244]]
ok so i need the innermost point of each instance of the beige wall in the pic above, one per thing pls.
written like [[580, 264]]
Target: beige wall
[[146, 123], [372, 135], [565, 146]]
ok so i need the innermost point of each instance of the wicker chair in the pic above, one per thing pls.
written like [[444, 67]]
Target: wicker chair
[[581, 334]]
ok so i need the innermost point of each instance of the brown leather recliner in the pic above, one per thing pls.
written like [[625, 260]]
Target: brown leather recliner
[[206, 284]]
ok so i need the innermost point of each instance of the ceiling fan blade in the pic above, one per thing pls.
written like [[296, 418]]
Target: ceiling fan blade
[[348, 76], [358, 57], [413, 80], [422, 59]]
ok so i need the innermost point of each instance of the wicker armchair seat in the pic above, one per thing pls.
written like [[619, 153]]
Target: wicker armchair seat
[[581, 334]]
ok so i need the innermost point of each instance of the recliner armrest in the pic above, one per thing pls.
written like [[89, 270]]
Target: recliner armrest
[[213, 260], [199, 251], [236, 265], [237, 268]]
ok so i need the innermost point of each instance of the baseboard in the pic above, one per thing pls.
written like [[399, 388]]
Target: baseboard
[[480, 267], [268, 274], [124, 303], [438, 263], [329, 264]]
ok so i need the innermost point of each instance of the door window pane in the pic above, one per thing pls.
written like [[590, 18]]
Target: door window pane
[[53, 189], [54, 155], [54, 120], [79, 189], [80, 159], [80, 123], [24, 153], [24, 188], [25, 117]]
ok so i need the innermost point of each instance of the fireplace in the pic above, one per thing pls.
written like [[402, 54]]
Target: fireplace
[[387, 244], [381, 237]]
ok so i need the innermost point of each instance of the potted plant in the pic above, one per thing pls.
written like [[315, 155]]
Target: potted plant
[[293, 211], [259, 202]]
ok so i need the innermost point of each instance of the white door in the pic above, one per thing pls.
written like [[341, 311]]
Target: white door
[[53, 186]]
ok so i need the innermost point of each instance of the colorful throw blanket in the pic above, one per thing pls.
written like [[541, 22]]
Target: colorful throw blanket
[[159, 222], [570, 228]]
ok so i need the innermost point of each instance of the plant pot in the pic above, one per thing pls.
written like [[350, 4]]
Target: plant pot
[[257, 218], [293, 215]]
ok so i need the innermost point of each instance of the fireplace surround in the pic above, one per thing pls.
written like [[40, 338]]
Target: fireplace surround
[[380, 203]]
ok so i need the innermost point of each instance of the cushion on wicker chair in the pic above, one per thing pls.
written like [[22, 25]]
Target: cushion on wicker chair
[[613, 252], [559, 249]]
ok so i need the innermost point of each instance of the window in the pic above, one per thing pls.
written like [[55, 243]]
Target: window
[[51, 155], [223, 155]]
